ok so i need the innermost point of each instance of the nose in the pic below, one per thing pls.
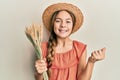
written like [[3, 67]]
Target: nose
[[63, 24]]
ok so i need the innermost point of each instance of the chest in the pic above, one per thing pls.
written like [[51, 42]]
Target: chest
[[63, 49]]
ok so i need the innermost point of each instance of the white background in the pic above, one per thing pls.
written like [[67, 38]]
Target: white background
[[101, 28]]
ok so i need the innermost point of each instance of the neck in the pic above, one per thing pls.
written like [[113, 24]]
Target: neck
[[63, 42]]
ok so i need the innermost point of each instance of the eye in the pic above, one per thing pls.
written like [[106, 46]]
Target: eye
[[68, 21], [57, 20]]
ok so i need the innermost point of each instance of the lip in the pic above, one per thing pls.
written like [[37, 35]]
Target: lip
[[63, 31]]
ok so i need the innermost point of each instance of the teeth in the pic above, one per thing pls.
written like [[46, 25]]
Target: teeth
[[63, 31]]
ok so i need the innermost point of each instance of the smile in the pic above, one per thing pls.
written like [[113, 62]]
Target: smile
[[63, 31]]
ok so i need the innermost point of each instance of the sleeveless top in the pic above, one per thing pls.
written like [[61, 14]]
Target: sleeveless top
[[64, 65]]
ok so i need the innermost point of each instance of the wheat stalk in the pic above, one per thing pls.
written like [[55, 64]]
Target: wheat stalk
[[35, 34]]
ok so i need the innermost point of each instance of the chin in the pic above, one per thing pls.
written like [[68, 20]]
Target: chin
[[63, 37]]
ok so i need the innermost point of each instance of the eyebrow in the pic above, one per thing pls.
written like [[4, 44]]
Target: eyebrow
[[66, 19]]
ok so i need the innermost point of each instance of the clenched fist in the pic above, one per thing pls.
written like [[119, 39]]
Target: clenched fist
[[41, 66]]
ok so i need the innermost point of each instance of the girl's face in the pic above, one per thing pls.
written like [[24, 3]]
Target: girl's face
[[63, 24]]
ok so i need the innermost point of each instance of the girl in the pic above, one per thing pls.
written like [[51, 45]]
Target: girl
[[65, 59]]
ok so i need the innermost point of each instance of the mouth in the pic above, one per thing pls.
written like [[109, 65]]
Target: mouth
[[63, 31]]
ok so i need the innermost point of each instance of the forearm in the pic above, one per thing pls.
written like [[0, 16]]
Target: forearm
[[87, 72], [38, 76]]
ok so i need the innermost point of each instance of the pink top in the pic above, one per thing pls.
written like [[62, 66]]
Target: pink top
[[64, 65]]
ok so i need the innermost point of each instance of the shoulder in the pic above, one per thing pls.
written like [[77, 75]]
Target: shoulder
[[78, 43], [80, 47], [44, 44], [44, 48]]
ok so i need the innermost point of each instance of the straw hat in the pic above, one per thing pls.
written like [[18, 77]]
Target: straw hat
[[47, 14]]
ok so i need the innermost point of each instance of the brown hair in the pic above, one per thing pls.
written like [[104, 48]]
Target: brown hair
[[52, 42]]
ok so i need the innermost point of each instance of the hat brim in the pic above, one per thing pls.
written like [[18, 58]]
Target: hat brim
[[47, 14]]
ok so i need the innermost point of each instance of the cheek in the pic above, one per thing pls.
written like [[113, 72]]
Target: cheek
[[55, 29], [56, 26], [70, 27]]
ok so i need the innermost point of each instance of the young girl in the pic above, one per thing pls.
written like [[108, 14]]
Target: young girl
[[63, 58]]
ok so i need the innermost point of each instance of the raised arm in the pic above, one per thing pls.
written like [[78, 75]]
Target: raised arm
[[85, 69]]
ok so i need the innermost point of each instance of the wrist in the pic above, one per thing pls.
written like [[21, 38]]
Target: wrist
[[91, 60], [38, 76]]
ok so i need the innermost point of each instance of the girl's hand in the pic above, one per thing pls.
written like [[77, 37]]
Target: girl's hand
[[41, 66], [97, 55]]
